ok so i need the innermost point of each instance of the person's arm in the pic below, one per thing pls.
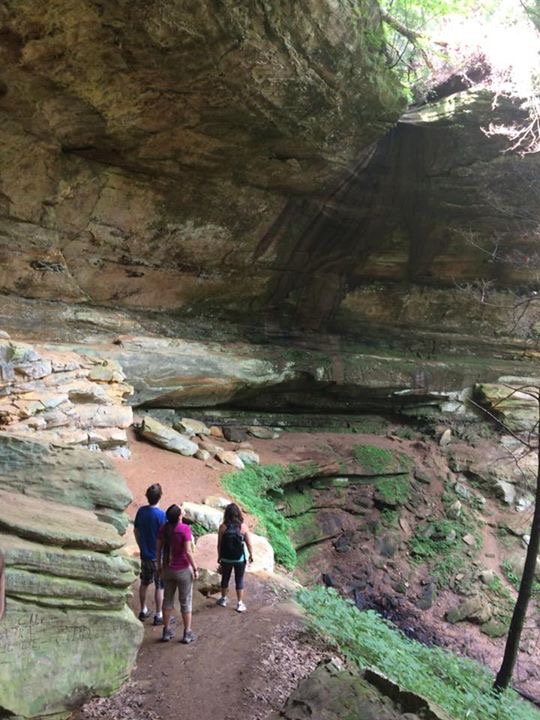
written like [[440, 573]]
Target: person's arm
[[247, 540], [136, 531], [190, 549], [219, 537], [159, 553]]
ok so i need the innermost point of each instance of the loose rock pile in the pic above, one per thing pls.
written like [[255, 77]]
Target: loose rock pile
[[63, 397], [193, 439]]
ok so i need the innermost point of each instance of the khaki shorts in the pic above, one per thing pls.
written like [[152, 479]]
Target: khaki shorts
[[183, 580]]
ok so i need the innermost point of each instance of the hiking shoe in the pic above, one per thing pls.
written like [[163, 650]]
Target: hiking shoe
[[222, 602], [167, 635], [188, 637], [157, 620], [241, 607], [144, 615]]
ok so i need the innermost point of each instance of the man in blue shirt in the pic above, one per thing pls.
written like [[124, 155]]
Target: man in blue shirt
[[148, 520]]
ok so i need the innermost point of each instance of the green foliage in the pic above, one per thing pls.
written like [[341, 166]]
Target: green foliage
[[374, 459], [514, 580], [413, 31], [198, 530], [440, 544], [460, 686], [532, 8], [389, 518], [416, 14], [407, 433], [251, 487], [509, 574], [394, 489]]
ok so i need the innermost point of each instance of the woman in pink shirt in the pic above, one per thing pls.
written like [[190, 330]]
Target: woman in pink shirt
[[177, 569]]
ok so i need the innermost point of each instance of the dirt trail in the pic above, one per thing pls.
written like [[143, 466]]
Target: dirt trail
[[224, 674], [241, 666]]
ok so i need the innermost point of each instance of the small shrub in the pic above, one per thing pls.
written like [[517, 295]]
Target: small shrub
[[394, 489], [514, 580], [389, 518], [509, 574]]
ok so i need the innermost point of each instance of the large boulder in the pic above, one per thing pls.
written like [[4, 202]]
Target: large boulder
[[60, 657], [164, 436], [513, 401], [67, 581], [68, 476], [331, 693], [206, 515]]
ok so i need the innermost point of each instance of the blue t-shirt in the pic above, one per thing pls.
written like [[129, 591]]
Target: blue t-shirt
[[148, 520]]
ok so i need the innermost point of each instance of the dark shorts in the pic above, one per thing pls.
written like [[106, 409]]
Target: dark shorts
[[149, 573], [239, 571]]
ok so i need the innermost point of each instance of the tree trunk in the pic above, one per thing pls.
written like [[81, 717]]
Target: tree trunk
[[524, 595]]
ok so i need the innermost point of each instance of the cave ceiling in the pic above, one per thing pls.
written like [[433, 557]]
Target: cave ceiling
[[251, 161]]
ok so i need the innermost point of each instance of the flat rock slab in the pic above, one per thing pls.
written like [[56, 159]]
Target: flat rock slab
[[55, 524], [330, 694], [66, 475], [94, 567], [62, 592]]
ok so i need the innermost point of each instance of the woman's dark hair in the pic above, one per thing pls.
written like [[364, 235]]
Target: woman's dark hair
[[173, 515], [233, 515], [154, 493]]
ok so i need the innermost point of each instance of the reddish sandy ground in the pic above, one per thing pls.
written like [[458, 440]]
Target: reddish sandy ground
[[244, 666]]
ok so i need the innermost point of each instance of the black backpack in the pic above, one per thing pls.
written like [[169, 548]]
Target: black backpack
[[232, 543]]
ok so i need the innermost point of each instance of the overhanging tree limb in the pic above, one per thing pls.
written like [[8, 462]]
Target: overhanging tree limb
[[412, 36], [400, 28]]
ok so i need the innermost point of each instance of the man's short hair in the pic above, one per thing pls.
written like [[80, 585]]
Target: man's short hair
[[154, 493]]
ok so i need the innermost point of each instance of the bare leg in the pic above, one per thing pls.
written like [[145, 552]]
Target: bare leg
[[167, 612], [158, 598], [240, 595], [142, 596], [186, 619]]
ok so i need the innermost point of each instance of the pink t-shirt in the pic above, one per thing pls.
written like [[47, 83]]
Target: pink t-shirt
[[181, 536]]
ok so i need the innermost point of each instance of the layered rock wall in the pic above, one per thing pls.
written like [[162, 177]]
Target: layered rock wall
[[67, 633], [63, 397]]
